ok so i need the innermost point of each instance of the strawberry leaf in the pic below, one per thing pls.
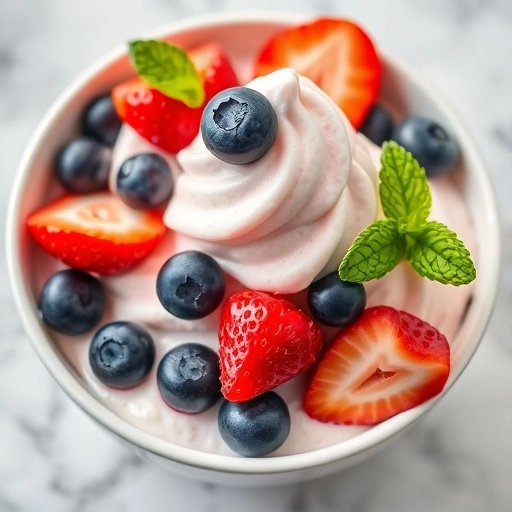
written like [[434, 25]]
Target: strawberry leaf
[[376, 251], [168, 69]]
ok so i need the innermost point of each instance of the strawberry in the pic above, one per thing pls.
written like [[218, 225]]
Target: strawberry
[[97, 233], [335, 54], [214, 68], [264, 342], [384, 363], [165, 122]]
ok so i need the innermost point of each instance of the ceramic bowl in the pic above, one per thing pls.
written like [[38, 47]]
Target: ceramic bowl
[[241, 34]]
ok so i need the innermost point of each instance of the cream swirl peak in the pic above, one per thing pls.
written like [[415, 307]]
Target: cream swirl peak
[[277, 223]]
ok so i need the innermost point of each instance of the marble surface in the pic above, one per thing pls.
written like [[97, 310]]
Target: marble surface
[[459, 459]]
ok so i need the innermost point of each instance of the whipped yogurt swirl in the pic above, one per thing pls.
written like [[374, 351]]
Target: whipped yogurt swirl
[[281, 221]]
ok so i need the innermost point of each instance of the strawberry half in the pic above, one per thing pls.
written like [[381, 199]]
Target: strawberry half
[[165, 122], [97, 233], [337, 55], [388, 361], [264, 342]]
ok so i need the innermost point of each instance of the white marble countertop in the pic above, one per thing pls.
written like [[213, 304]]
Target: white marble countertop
[[459, 459]]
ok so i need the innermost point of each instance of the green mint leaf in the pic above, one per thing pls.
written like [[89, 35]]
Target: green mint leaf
[[376, 251], [435, 252], [416, 220], [168, 69], [404, 190]]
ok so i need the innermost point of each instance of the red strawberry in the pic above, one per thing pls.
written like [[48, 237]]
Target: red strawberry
[[214, 68], [166, 122], [97, 232], [386, 362], [264, 342], [335, 54]]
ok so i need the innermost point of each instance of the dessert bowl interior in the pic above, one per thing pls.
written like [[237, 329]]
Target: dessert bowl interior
[[241, 34]]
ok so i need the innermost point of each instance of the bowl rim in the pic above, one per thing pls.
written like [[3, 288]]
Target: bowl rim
[[188, 456]]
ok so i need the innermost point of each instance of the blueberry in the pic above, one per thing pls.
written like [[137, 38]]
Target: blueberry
[[72, 302], [257, 427], [378, 125], [429, 143], [83, 165], [189, 378], [144, 181], [335, 302], [190, 285], [121, 354], [239, 125], [100, 120]]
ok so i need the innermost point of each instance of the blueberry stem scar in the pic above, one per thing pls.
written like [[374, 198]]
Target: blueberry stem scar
[[230, 114], [189, 291]]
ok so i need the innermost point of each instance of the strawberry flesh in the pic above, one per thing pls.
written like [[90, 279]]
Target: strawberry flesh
[[264, 342], [214, 68], [337, 55], [388, 361], [96, 233]]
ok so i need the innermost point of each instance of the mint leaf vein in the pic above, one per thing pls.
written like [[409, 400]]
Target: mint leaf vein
[[404, 189], [439, 255], [376, 251]]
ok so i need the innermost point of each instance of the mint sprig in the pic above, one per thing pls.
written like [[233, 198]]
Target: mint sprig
[[433, 250], [168, 69]]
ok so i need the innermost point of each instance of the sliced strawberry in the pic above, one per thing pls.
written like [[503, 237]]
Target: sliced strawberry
[[337, 55], [264, 342], [385, 363], [97, 232], [166, 122]]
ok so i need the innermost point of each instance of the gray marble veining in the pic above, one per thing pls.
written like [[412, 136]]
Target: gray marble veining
[[458, 459]]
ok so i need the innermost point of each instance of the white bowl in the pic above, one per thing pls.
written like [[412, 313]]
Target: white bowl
[[402, 88]]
